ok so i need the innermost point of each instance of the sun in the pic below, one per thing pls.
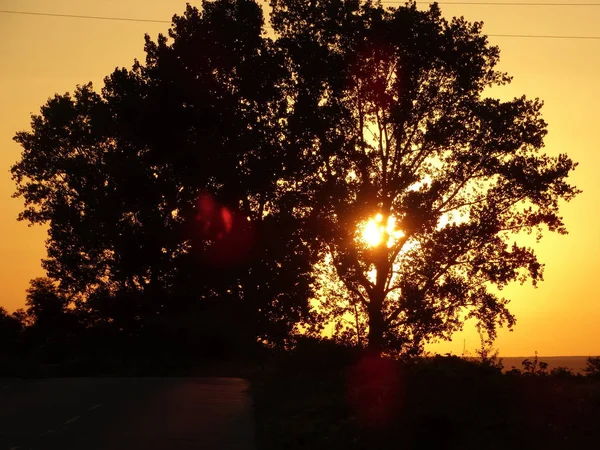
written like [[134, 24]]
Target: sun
[[373, 231]]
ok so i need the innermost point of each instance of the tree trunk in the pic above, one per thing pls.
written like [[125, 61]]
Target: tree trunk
[[376, 298], [376, 325]]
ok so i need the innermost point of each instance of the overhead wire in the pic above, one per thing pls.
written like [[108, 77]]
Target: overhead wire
[[542, 36], [133, 19], [80, 16], [497, 3]]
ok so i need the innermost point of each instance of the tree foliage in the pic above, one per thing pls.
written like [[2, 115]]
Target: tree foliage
[[119, 176], [228, 162], [10, 333], [389, 115]]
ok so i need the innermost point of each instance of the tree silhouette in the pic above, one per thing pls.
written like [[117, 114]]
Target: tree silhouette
[[221, 169], [392, 129], [44, 303], [128, 178], [51, 324], [11, 328]]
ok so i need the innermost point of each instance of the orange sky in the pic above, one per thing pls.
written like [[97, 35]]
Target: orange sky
[[43, 55]]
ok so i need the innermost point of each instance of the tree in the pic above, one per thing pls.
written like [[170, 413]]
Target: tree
[[414, 181], [121, 177], [52, 329], [358, 135], [11, 328], [45, 304]]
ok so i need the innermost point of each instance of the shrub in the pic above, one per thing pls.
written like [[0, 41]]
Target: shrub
[[534, 367], [513, 371], [592, 368], [562, 372]]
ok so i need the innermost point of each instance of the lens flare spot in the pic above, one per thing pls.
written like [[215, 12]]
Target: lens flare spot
[[227, 219], [375, 391], [223, 237]]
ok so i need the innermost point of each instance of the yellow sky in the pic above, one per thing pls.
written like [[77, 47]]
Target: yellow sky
[[43, 55]]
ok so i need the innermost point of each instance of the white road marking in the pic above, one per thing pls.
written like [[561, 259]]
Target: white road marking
[[15, 448], [71, 420], [94, 407], [47, 432]]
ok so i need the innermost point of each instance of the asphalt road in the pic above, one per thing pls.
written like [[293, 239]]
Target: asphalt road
[[126, 413]]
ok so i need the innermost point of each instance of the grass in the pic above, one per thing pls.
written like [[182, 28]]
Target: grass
[[440, 403]]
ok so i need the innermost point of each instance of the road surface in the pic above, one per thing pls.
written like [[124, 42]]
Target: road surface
[[126, 414]]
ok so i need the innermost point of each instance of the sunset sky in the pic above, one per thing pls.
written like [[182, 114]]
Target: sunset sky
[[41, 55]]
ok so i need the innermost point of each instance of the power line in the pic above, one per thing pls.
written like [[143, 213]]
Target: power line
[[77, 16], [497, 3], [549, 36], [131, 19]]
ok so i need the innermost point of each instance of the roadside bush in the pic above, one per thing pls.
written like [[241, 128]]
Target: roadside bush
[[592, 368], [318, 354], [534, 367], [562, 372]]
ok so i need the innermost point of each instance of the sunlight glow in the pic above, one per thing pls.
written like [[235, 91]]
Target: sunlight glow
[[373, 231]]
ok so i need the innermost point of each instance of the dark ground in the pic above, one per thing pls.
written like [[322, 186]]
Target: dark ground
[[318, 398], [442, 403], [125, 413]]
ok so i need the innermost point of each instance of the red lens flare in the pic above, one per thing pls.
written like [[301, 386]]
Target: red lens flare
[[226, 236], [375, 391], [227, 219]]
